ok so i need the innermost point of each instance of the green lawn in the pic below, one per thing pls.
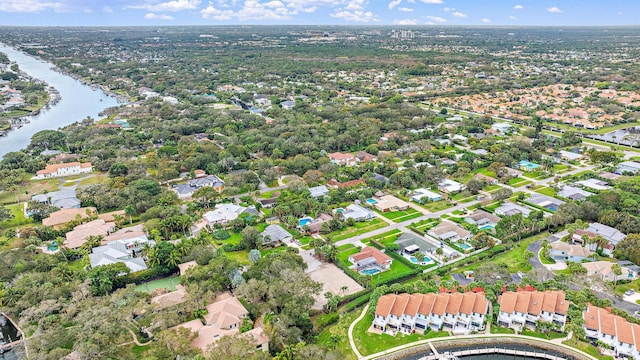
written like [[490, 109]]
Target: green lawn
[[547, 191], [241, 256], [552, 334], [514, 259], [495, 329], [384, 238], [358, 229], [586, 347], [34, 187], [424, 225], [436, 205], [168, 283], [96, 179], [632, 285], [369, 343], [546, 259], [486, 172], [517, 182], [335, 336], [17, 210], [400, 216]]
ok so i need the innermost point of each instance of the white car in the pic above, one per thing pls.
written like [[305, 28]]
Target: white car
[[629, 292]]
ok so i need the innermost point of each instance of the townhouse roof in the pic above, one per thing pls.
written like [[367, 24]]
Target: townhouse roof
[[523, 302]]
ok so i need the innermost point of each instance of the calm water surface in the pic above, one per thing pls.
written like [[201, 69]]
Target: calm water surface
[[78, 101]]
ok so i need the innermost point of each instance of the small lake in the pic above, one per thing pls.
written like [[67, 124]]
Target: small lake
[[78, 101]]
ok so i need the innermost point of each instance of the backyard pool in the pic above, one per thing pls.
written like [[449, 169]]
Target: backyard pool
[[415, 261], [53, 246], [372, 201], [304, 221], [486, 227], [465, 246], [529, 165], [369, 271], [552, 207]]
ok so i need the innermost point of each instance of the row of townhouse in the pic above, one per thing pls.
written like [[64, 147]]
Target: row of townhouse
[[408, 313], [526, 308], [623, 337]]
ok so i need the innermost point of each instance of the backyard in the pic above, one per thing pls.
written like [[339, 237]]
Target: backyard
[[168, 283], [358, 228], [400, 216]]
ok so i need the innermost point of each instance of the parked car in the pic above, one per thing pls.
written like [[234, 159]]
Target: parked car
[[629, 292]]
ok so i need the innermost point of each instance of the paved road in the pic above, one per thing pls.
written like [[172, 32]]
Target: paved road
[[534, 260]]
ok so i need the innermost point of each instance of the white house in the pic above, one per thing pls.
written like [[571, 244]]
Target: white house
[[525, 308], [612, 234], [319, 191], [622, 336], [563, 251], [370, 258], [224, 213], [627, 167], [501, 127], [408, 313], [116, 252], [355, 212], [450, 186], [595, 184], [510, 209], [421, 195], [274, 234], [59, 170], [603, 270], [573, 193], [450, 231]]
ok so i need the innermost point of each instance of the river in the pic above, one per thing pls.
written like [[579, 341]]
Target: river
[[78, 101]]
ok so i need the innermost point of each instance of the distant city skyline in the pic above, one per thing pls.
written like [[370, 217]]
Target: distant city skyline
[[319, 12]]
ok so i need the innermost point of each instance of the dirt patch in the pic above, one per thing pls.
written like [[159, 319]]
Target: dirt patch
[[333, 280]]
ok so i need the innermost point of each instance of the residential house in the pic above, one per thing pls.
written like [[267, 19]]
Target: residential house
[[319, 191], [627, 167], [570, 156], [288, 104], [365, 157], [450, 186], [482, 219], [486, 179], [133, 238], [595, 184], [224, 213], [81, 233], [526, 308], [603, 270], [501, 127], [481, 152], [172, 298], [573, 193], [333, 183], [562, 251], [184, 267], [578, 237], [64, 216], [450, 231], [389, 203], [382, 178], [315, 225], [422, 195], [117, 252], [224, 317], [274, 234], [355, 212], [613, 235], [410, 243], [63, 199], [615, 331], [510, 209], [408, 313], [339, 158], [262, 100], [268, 203], [370, 258], [60, 170], [185, 191], [545, 201]]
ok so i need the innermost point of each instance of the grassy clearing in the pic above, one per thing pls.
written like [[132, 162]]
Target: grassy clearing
[[424, 225], [369, 343], [547, 191], [400, 216], [495, 329], [94, 180], [168, 283], [358, 229], [384, 238], [17, 210], [518, 181], [436, 205], [552, 334], [335, 336], [34, 187], [587, 348]]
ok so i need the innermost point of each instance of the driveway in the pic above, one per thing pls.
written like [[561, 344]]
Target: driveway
[[535, 249]]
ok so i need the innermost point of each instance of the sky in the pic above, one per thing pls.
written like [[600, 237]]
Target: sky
[[319, 12]]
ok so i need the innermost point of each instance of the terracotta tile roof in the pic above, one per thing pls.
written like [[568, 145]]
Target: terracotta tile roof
[[522, 303], [535, 305], [64, 216], [426, 306], [468, 302], [455, 300], [341, 156], [55, 167], [508, 301], [368, 251], [440, 304], [385, 303], [481, 305], [414, 303], [534, 302], [225, 311], [400, 305]]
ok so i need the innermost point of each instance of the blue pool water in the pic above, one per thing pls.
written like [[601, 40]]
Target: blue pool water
[[372, 201], [369, 271], [528, 165], [552, 207], [465, 246], [340, 210], [415, 261], [486, 227], [304, 221]]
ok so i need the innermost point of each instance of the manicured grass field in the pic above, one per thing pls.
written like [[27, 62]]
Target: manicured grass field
[[517, 182], [436, 205], [547, 191], [400, 216], [495, 329], [552, 334], [17, 210], [425, 225], [588, 348], [358, 229], [369, 343], [384, 238], [168, 283]]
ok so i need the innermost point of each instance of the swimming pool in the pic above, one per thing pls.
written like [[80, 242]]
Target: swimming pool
[[465, 246], [372, 201], [304, 221], [528, 165], [369, 271], [486, 227], [552, 207], [415, 261]]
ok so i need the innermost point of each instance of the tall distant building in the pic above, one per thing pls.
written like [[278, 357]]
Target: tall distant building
[[402, 34]]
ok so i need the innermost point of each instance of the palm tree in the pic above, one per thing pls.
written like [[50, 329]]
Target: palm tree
[[617, 271], [129, 210]]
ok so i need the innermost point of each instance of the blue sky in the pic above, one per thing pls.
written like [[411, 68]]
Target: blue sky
[[306, 12]]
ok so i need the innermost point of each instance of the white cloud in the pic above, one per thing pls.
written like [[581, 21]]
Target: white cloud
[[356, 5], [458, 14], [211, 12], [512, 17], [152, 16], [447, 9], [171, 6], [486, 21], [32, 6], [518, 7], [405, 22], [436, 19], [405, 9], [432, 1], [394, 3], [554, 9], [356, 16], [255, 10]]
